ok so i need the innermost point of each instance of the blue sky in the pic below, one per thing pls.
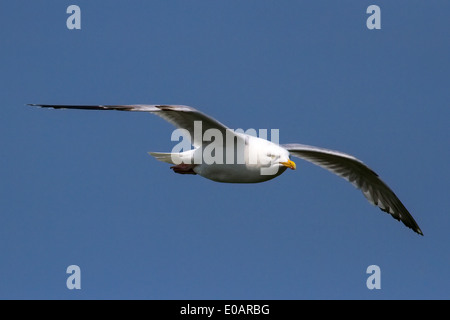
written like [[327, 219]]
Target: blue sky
[[78, 187]]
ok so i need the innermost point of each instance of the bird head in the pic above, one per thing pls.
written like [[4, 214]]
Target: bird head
[[275, 159]]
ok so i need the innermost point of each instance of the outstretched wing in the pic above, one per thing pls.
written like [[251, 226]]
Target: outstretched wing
[[180, 116], [360, 175]]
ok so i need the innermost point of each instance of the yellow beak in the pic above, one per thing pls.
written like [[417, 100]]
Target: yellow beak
[[290, 164]]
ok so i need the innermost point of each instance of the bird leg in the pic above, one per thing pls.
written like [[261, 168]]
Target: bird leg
[[183, 168]]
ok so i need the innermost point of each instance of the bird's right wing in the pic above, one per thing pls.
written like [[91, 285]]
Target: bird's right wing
[[183, 117], [360, 175]]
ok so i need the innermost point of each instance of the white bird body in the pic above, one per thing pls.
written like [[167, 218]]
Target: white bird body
[[255, 159], [265, 165], [260, 161]]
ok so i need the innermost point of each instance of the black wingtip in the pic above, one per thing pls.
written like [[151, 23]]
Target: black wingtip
[[40, 105], [415, 228], [86, 107], [63, 106]]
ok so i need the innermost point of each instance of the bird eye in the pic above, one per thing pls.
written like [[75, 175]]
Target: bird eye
[[270, 155]]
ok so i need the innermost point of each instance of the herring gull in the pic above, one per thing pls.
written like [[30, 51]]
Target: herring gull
[[257, 154]]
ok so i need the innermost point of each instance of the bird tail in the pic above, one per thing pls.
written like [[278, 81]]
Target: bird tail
[[185, 157], [165, 157]]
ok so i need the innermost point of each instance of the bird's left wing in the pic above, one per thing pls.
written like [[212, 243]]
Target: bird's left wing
[[180, 116], [360, 175]]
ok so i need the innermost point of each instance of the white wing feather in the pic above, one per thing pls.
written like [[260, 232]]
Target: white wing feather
[[360, 175], [180, 116]]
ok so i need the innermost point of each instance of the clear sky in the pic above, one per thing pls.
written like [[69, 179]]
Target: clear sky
[[78, 187]]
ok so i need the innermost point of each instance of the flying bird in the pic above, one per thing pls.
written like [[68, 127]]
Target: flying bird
[[260, 159]]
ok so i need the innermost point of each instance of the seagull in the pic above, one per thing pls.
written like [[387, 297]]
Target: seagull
[[257, 154]]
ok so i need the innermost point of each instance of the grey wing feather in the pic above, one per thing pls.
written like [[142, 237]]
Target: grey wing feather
[[180, 116], [360, 175]]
